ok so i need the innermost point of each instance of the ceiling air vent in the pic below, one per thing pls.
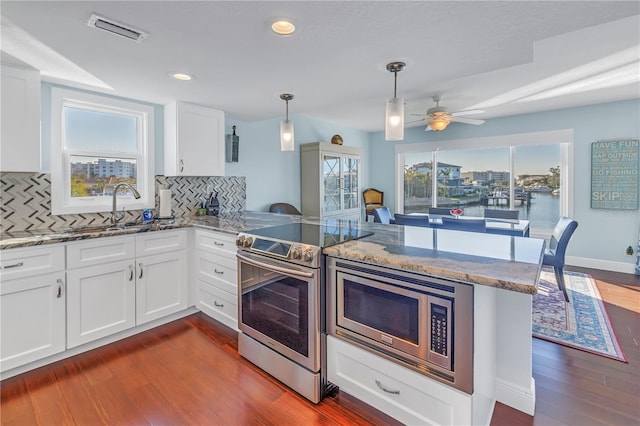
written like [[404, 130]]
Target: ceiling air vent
[[115, 27]]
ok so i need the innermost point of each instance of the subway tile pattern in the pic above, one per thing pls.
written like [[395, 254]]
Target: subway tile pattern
[[25, 200]]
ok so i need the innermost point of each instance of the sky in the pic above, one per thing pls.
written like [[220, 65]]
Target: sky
[[530, 160], [91, 130]]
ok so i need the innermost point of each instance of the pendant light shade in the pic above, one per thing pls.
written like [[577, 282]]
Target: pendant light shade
[[286, 127], [394, 113]]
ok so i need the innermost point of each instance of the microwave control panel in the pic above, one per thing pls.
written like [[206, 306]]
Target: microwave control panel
[[440, 332]]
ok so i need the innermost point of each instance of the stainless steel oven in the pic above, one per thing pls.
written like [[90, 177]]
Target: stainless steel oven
[[281, 301], [422, 322]]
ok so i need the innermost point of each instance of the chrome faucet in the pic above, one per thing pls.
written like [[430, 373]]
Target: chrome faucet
[[115, 217]]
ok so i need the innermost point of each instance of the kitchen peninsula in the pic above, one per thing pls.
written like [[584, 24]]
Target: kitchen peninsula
[[503, 271]]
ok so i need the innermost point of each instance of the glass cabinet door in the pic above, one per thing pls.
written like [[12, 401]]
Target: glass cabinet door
[[331, 183], [350, 171]]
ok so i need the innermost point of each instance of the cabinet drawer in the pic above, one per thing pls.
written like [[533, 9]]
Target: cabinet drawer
[[161, 242], [217, 304], [218, 271], [100, 250], [20, 263], [215, 242], [402, 393]]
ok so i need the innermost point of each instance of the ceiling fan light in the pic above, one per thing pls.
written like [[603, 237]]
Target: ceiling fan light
[[438, 124], [394, 123]]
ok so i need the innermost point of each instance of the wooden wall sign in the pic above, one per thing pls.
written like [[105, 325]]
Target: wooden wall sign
[[615, 174]]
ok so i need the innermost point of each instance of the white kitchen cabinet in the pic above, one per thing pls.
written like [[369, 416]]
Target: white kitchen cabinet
[[217, 276], [330, 180], [129, 280], [100, 301], [399, 392], [193, 140], [32, 305], [20, 143], [162, 280]]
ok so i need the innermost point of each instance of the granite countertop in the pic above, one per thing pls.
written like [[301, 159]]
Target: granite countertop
[[230, 223], [501, 261]]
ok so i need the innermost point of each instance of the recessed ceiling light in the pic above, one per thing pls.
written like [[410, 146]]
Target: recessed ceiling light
[[181, 76], [283, 27]]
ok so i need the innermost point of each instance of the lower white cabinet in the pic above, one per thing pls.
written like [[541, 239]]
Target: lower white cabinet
[[217, 276], [32, 319], [100, 301], [161, 286], [112, 296], [399, 392]]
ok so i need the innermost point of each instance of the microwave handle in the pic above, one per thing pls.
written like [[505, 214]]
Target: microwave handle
[[275, 268]]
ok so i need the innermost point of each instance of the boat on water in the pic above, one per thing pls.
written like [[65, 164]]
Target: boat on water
[[555, 191]]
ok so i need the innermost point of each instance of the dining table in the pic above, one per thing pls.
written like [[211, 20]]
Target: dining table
[[513, 227]]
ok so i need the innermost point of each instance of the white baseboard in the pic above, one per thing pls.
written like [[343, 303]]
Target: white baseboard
[[605, 265], [517, 397]]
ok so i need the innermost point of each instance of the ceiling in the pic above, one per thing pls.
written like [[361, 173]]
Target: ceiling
[[476, 54]]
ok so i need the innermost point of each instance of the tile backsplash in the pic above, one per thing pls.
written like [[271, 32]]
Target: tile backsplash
[[25, 200]]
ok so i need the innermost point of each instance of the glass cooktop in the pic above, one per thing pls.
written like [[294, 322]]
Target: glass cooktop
[[312, 234]]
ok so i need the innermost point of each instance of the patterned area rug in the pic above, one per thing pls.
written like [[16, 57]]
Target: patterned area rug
[[582, 324]]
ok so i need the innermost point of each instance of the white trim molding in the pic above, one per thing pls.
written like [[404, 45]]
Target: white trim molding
[[604, 265]]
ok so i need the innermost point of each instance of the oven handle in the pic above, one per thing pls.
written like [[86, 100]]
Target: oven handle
[[274, 268]]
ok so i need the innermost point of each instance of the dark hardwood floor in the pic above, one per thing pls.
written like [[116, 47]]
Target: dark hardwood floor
[[189, 372]]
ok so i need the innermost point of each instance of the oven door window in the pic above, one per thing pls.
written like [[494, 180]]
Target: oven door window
[[388, 312], [277, 306]]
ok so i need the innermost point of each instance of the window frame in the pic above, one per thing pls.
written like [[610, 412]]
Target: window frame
[[563, 137], [61, 200]]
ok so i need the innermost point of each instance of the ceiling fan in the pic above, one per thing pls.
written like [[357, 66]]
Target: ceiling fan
[[438, 117]]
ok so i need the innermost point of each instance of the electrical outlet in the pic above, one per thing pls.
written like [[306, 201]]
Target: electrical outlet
[[209, 188], [629, 251]]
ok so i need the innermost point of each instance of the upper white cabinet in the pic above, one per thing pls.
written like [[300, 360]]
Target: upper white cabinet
[[20, 144], [193, 140], [330, 180]]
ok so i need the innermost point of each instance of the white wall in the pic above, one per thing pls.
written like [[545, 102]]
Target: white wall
[[602, 235]]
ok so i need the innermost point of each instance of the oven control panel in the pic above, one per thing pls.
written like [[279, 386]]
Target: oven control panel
[[293, 252]]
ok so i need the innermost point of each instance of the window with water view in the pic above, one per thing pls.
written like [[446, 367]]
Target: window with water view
[[477, 179]]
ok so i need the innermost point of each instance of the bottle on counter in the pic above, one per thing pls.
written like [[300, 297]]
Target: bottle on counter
[[214, 205]]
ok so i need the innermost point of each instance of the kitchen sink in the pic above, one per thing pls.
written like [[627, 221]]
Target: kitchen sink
[[138, 227]]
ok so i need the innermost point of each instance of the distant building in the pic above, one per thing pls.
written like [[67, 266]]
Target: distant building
[[448, 176], [103, 169], [486, 176]]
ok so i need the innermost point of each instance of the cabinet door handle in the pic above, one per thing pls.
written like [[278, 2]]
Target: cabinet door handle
[[140, 266], [60, 284], [15, 265], [218, 244], [181, 166], [130, 272], [218, 272], [219, 305], [381, 386]]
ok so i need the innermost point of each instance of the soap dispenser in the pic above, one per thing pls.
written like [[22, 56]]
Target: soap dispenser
[[214, 205]]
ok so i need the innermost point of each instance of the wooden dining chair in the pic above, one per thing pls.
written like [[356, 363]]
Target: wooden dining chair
[[471, 225], [373, 199], [554, 254], [412, 220]]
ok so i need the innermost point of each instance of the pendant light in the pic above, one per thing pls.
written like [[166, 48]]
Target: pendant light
[[286, 127], [394, 117]]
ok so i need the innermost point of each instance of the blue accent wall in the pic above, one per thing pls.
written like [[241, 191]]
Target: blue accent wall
[[273, 175], [601, 234]]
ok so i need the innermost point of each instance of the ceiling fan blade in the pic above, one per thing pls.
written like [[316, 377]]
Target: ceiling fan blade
[[467, 120], [419, 115], [414, 121], [467, 112], [428, 129]]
